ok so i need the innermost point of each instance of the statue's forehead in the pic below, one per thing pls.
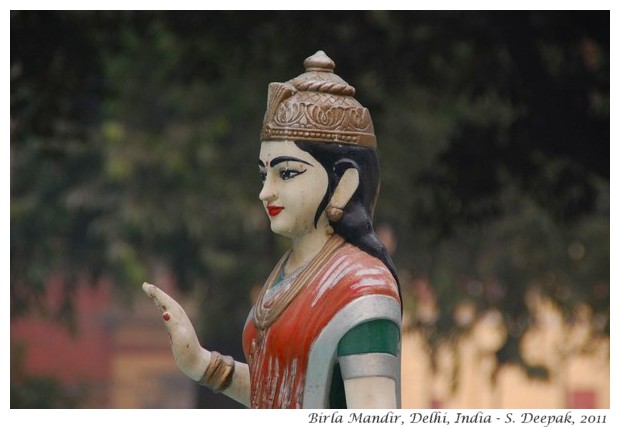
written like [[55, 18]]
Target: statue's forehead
[[274, 152], [274, 148]]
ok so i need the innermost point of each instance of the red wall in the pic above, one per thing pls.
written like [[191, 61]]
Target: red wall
[[72, 358]]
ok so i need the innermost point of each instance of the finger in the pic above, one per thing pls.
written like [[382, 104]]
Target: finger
[[173, 314], [159, 297], [154, 293]]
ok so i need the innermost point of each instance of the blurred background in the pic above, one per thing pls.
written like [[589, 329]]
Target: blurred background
[[134, 139]]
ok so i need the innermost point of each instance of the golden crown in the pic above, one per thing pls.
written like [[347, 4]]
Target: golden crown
[[317, 105]]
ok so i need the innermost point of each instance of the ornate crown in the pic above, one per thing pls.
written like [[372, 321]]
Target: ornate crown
[[317, 106]]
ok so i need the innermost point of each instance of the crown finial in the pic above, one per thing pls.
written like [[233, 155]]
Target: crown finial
[[319, 62]]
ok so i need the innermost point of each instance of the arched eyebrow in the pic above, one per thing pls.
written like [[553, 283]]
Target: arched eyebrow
[[281, 159]]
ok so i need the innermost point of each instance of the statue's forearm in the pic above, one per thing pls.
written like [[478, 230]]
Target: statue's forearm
[[239, 388]]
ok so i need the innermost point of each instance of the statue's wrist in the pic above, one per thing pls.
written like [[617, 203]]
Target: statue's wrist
[[219, 373]]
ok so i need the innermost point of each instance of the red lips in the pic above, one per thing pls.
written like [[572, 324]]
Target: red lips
[[274, 210]]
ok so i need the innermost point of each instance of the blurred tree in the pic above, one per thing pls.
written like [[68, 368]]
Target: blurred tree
[[132, 136], [56, 90]]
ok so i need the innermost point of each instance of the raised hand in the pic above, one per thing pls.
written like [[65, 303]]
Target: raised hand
[[190, 357]]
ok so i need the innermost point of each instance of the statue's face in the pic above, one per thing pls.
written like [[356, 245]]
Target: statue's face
[[294, 184]]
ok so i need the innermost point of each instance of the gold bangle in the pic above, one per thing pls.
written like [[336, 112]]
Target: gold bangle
[[219, 372]]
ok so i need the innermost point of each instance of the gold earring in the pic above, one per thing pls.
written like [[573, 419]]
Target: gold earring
[[334, 214]]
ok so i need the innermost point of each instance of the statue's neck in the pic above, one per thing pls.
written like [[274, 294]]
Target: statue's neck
[[305, 248]]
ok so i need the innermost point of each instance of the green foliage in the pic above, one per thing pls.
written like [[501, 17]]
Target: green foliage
[[41, 393], [135, 135]]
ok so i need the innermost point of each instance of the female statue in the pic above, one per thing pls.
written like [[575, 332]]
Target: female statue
[[325, 330]]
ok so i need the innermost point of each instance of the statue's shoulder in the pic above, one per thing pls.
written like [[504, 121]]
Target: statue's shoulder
[[353, 269]]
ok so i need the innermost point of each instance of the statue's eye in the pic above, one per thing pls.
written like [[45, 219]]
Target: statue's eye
[[289, 173]]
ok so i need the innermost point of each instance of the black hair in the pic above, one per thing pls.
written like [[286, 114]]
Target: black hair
[[356, 223]]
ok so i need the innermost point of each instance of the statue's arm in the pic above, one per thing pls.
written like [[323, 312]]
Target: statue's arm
[[239, 388], [369, 360], [370, 392], [189, 355]]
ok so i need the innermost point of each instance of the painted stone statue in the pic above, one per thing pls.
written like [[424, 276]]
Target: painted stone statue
[[325, 330]]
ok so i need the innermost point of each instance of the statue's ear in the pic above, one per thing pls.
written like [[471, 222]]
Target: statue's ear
[[348, 184]]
